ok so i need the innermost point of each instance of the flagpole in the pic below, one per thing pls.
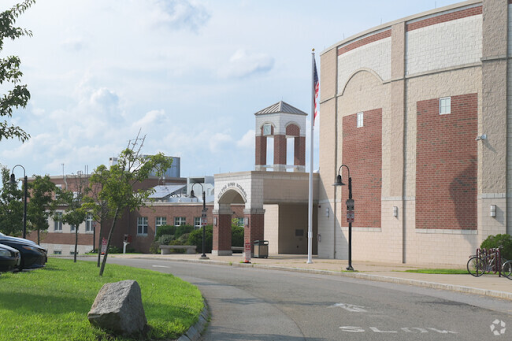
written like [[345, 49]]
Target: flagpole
[[310, 199]]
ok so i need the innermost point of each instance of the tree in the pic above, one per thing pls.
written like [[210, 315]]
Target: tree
[[41, 204], [11, 206], [75, 213], [95, 203], [10, 72], [117, 183]]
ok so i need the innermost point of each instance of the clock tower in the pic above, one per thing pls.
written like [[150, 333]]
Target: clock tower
[[281, 121]]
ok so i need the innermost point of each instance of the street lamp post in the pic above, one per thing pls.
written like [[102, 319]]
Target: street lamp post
[[203, 217], [350, 212], [25, 181]]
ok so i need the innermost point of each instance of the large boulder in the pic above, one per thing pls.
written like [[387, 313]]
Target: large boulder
[[118, 309]]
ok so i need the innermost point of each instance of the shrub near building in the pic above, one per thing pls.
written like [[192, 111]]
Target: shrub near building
[[503, 241]]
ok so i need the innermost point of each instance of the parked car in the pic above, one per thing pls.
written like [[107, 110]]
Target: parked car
[[32, 255], [9, 258]]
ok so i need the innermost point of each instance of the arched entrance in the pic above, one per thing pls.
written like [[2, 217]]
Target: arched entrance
[[233, 193]]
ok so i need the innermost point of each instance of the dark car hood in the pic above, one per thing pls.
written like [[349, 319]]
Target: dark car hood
[[7, 247], [16, 240]]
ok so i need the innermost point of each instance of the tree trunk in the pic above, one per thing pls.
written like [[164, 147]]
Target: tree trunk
[[100, 241], [76, 243], [38, 238], [108, 243]]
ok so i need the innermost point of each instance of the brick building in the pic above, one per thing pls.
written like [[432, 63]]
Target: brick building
[[418, 110]]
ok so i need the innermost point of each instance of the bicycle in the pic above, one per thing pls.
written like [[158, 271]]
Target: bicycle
[[485, 261], [506, 270]]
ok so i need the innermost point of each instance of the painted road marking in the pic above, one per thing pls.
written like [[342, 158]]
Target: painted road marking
[[159, 266], [350, 307], [415, 330]]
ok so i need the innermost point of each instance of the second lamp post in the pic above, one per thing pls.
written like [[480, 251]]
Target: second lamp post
[[350, 212], [203, 216]]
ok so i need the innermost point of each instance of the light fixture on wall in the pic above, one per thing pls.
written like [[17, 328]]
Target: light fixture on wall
[[214, 221], [327, 212], [395, 211], [246, 221], [493, 211], [481, 137]]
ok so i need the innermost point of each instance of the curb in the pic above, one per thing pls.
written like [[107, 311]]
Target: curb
[[194, 332]]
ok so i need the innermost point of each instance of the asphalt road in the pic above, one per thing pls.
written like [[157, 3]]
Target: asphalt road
[[258, 304]]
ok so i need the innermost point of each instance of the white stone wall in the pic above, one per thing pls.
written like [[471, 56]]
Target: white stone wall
[[272, 228], [66, 249], [509, 120], [444, 45], [375, 56], [509, 31]]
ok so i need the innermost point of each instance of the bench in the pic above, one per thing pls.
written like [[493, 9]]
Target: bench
[[237, 248], [166, 249]]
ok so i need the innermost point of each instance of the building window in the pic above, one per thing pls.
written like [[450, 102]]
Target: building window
[[160, 221], [57, 223], [72, 228], [197, 222], [360, 119], [88, 223], [57, 252], [179, 221], [142, 225], [238, 222], [445, 105]]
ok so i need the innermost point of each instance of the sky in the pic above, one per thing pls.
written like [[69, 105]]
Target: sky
[[187, 74]]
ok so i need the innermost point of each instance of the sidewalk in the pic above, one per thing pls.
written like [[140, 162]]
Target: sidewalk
[[487, 285]]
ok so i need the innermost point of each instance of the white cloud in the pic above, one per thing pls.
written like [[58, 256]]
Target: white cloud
[[179, 14], [152, 119], [219, 141], [73, 44], [243, 64], [247, 141]]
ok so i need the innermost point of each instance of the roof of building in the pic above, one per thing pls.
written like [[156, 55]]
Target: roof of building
[[281, 107], [163, 191]]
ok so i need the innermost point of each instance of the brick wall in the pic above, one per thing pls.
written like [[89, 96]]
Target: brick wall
[[444, 18], [446, 166], [362, 153]]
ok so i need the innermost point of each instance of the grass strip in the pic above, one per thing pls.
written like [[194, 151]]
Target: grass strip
[[52, 303], [440, 271]]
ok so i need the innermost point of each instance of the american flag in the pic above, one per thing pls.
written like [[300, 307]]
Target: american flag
[[316, 85]]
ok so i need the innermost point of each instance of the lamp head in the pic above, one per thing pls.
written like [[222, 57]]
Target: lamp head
[[192, 194], [13, 179], [338, 182]]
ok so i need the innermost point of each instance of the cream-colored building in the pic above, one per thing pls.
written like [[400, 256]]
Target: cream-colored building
[[419, 110]]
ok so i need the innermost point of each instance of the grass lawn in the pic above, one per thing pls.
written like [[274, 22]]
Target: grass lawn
[[52, 303]]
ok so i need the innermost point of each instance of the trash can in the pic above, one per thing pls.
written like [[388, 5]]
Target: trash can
[[260, 249]]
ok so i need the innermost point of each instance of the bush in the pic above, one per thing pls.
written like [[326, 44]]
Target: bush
[[176, 242], [165, 239], [182, 229], [500, 240], [165, 229], [154, 247], [196, 238], [237, 236]]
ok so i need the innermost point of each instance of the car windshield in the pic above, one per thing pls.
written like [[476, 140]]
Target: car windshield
[[2, 235]]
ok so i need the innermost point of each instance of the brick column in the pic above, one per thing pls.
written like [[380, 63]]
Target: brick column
[[300, 151], [280, 153], [255, 229], [222, 232], [261, 152]]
